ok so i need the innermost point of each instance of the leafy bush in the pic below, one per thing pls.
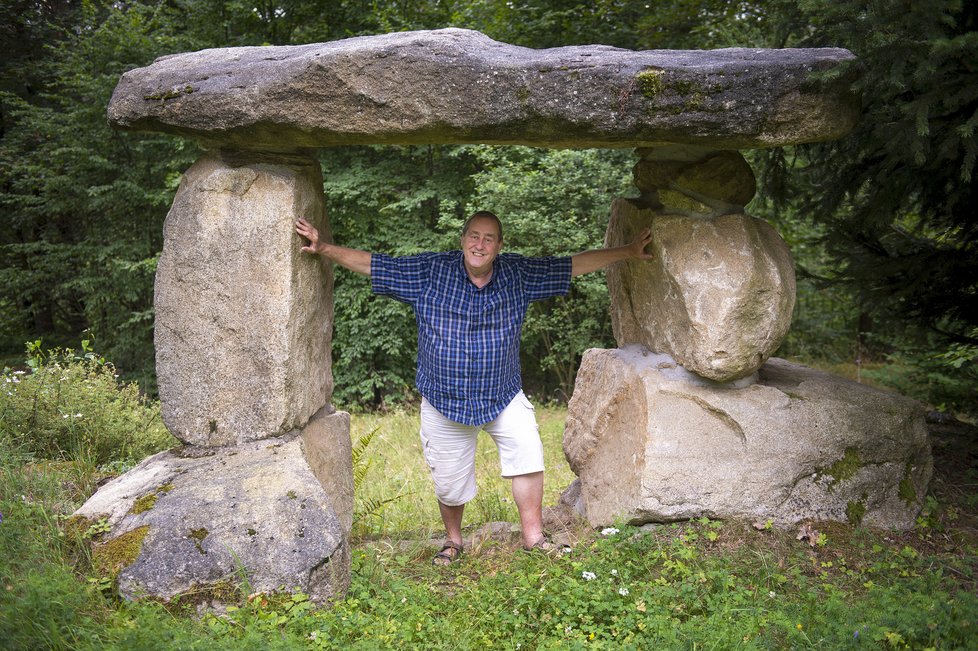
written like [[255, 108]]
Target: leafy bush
[[71, 406]]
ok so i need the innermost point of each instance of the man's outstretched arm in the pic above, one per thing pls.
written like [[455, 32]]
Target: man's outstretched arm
[[596, 259], [352, 259]]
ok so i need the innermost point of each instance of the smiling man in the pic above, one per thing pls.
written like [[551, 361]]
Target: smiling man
[[469, 306]]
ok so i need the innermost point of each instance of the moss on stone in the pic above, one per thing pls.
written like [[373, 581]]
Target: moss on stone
[[113, 556], [651, 82], [906, 490], [208, 594], [291, 495], [855, 511], [77, 525], [695, 102], [846, 467], [143, 504], [198, 535]]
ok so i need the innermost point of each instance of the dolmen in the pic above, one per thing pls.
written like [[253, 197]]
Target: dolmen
[[688, 417]]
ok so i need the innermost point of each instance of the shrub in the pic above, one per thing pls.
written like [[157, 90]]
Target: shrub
[[71, 405]]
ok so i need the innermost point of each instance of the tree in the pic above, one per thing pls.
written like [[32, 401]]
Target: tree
[[897, 195]]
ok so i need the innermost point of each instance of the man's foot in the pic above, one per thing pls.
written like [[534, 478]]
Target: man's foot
[[448, 554], [545, 546]]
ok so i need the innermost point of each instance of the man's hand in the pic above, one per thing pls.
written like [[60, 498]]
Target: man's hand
[[352, 259], [596, 259], [637, 247], [308, 231]]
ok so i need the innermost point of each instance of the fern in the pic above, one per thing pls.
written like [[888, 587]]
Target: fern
[[361, 465]]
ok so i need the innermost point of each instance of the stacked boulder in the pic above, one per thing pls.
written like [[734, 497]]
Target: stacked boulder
[[689, 417], [261, 494]]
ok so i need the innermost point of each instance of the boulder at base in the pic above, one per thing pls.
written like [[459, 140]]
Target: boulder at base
[[200, 521], [652, 442]]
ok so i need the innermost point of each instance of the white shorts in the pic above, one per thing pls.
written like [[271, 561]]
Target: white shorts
[[449, 448]]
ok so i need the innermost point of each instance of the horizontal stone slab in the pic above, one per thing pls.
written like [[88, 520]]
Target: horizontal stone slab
[[456, 86]]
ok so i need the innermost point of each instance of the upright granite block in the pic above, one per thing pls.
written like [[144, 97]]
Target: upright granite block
[[652, 442], [243, 319]]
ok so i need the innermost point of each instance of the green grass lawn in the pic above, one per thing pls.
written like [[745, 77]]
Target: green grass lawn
[[398, 476], [693, 585]]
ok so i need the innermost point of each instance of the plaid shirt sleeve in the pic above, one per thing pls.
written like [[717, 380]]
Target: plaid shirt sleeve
[[403, 278], [546, 277]]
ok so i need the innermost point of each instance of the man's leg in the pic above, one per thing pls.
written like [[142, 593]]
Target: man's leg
[[528, 495], [449, 449], [517, 437], [452, 517]]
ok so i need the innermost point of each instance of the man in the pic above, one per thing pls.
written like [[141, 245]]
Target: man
[[469, 306]]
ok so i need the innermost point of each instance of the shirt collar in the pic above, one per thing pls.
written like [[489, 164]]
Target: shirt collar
[[498, 272]]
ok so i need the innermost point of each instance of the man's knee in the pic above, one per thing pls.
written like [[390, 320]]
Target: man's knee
[[454, 494]]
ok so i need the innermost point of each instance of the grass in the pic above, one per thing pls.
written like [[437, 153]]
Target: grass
[[397, 475], [701, 584]]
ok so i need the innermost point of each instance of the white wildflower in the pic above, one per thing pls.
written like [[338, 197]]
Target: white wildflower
[[589, 576], [78, 415], [772, 594], [610, 531], [568, 630], [614, 572], [623, 591], [65, 416]]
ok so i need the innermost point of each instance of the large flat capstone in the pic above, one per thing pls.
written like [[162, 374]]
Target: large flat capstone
[[459, 86]]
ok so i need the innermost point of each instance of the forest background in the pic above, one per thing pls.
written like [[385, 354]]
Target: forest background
[[881, 223]]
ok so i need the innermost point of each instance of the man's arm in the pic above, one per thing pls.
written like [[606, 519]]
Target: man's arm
[[352, 259], [596, 259]]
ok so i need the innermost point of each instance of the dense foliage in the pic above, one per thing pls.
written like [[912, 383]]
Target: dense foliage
[[895, 199], [72, 405], [885, 212]]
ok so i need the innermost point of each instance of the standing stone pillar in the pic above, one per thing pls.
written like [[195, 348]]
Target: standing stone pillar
[[243, 319], [688, 417], [264, 485], [720, 288]]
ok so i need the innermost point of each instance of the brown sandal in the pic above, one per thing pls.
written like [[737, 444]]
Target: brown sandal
[[449, 553]]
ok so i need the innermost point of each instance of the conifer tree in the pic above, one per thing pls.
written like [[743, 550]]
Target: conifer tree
[[898, 195]]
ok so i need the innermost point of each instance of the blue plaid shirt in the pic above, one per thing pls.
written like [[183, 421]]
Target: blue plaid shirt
[[469, 337]]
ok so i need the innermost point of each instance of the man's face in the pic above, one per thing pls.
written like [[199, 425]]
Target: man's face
[[480, 245]]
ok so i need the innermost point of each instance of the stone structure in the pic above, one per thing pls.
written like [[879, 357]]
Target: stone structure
[[243, 319], [458, 86], [653, 442], [201, 519], [719, 292]]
